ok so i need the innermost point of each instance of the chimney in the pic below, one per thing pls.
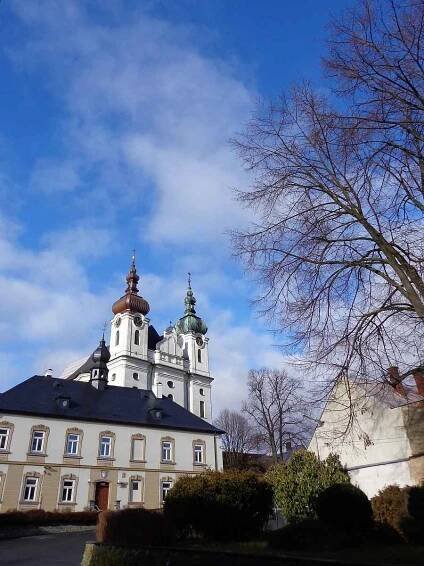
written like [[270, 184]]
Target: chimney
[[158, 390], [395, 380], [418, 374], [48, 373]]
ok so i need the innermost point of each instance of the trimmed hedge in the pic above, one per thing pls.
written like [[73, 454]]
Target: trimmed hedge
[[344, 506], [131, 527], [38, 517], [403, 509], [229, 505]]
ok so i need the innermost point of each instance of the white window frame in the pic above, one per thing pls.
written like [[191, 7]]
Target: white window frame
[[199, 449], [4, 438], [30, 488], [67, 494], [165, 487], [74, 442], [104, 444], [166, 449], [37, 441]]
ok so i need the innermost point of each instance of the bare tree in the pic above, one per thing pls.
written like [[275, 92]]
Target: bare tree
[[276, 408], [338, 193], [239, 438]]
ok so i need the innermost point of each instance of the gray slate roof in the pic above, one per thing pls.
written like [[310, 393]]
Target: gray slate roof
[[40, 396]]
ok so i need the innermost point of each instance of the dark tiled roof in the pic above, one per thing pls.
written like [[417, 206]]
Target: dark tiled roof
[[39, 395]]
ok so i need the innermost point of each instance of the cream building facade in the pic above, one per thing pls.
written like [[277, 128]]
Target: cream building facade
[[385, 443], [120, 428]]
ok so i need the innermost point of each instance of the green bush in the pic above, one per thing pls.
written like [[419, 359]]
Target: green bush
[[298, 483], [230, 505], [344, 506], [130, 527], [403, 509], [38, 517]]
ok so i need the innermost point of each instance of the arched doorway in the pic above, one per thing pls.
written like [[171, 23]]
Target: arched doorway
[[101, 496]]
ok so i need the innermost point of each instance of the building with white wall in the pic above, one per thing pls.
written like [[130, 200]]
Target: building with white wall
[[119, 428], [377, 430]]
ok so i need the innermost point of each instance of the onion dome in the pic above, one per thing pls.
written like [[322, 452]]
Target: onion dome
[[131, 301], [190, 322], [101, 354]]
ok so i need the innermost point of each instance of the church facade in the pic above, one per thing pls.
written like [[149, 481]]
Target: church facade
[[119, 428]]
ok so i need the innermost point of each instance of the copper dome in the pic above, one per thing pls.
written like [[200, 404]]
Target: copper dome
[[131, 300]]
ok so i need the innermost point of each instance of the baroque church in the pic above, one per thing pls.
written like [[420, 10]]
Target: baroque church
[[118, 428]]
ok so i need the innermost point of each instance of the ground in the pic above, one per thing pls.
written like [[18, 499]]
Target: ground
[[65, 549]]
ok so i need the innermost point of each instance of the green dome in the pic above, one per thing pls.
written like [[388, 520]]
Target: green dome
[[190, 322]]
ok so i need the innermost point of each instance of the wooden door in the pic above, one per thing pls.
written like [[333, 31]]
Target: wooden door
[[102, 495]]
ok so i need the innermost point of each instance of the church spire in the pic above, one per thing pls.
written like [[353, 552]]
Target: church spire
[[190, 322], [131, 300]]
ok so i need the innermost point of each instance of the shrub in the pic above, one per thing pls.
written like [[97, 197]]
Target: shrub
[[230, 505], [344, 506], [403, 509], [134, 527], [38, 517], [298, 483]]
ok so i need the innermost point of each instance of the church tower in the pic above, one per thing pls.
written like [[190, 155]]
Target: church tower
[[191, 330], [128, 366]]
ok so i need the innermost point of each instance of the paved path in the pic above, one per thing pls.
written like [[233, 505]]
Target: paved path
[[64, 549]]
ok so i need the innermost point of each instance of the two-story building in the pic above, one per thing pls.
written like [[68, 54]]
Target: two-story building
[[120, 428]]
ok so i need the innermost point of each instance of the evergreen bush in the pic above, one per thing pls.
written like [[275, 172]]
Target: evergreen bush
[[344, 506], [129, 527], [229, 505], [39, 517], [298, 483]]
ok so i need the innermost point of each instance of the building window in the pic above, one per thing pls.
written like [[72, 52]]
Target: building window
[[68, 491], [201, 392], [30, 489], [137, 447], [199, 356], [198, 450], [136, 491], [202, 409], [117, 338], [137, 337], [37, 441], [4, 439], [166, 451], [72, 444], [136, 376], [170, 396], [166, 486], [170, 384], [113, 377], [105, 449]]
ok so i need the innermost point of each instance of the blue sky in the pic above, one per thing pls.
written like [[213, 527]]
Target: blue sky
[[115, 118]]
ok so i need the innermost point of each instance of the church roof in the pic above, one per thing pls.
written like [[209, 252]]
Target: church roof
[[39, 396]]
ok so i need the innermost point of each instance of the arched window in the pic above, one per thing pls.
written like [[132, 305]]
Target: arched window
[[170, 396], [135, 376], [137, 338], [117, 338], [199, 355]]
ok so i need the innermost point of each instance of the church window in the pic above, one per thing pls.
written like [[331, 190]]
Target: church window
[[170, 384], [68, 491], [113, 377], [136, 376], [198, 453], [105, 448], [4, 438], [30, 488], [137, 338], [166, 486], [201, 391], [37, 441], [170, 396], [117, 338], [166, 451], [199, 356], [72, 444], [202, 409]]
